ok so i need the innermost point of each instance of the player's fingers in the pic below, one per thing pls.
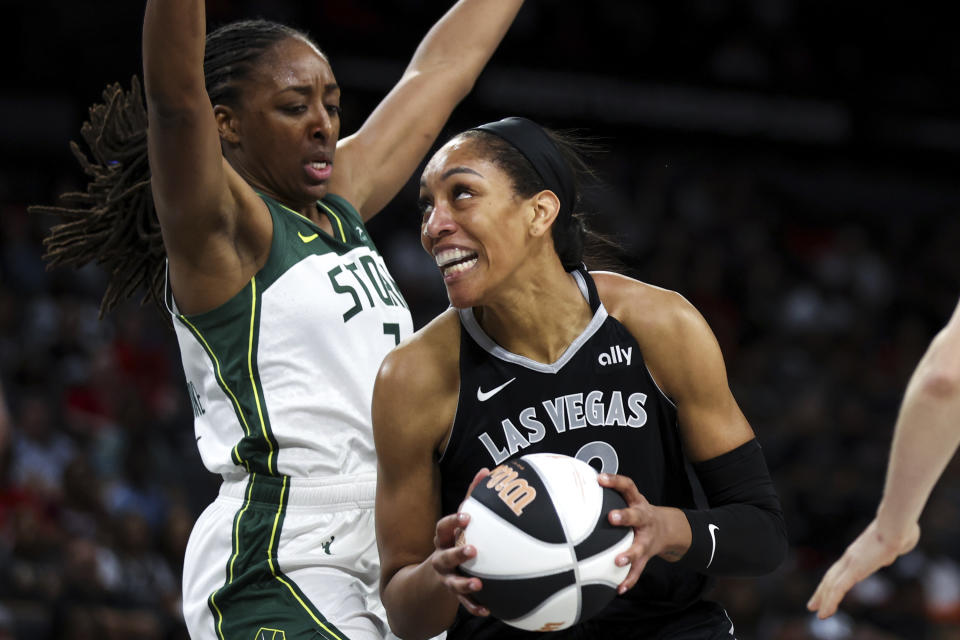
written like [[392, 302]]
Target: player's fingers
[[620, 518], [462, 587], [817, 603], [477, 478], [473, 607], [816, 599], [828, 608], [636, 568], [832, 589], [827, 601], [448, 528], [622, 484], [633, 516], [636, 556], [460, 584], [445, 561], [836, 590]]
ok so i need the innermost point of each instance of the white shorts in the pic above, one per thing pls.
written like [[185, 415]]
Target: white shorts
[[285, 559]]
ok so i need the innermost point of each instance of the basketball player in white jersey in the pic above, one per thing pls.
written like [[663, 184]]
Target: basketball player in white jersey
[[282, 305]]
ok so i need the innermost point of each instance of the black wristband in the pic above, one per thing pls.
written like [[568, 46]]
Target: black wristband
[[743, 531]]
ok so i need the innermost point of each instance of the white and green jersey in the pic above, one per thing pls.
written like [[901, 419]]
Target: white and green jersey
[[281, 375]]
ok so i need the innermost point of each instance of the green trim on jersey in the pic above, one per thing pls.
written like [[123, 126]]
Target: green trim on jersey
[[257, 593], [327, 209], [224, 349], [237, 373], [229, 333]]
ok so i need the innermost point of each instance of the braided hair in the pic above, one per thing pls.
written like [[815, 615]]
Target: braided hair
[[114, 223]]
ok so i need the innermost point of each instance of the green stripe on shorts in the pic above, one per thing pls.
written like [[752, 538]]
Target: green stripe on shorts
[[258, 601]]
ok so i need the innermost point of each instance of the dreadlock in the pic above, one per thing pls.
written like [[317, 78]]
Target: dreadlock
[[114, 223]]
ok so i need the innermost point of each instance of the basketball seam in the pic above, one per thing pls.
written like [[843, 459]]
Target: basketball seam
[[547, 601], [516, 531], [566, 534]]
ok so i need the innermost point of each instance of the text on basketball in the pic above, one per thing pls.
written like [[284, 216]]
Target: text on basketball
[[515, 492]]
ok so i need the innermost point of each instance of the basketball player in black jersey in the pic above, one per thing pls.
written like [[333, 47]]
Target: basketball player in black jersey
[[538, 355]]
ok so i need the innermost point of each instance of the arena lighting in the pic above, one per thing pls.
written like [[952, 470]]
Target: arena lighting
[[45, 122], [682, 108]]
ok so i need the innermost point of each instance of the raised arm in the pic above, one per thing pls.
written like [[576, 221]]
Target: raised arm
[[926, 437], [200, 200], [184, 146], [375, 162]]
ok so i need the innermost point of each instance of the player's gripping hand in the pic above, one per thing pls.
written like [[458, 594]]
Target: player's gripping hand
[[873, 549], [448, 554], [656, 530]]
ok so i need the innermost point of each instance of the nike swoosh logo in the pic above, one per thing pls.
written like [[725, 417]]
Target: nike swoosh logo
[[713, 542], [483, 396], [307, 239]]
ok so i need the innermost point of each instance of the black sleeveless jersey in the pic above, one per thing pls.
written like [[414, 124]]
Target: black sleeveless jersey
[[598, 403]]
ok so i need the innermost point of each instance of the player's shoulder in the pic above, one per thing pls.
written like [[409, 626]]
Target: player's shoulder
[[678, 345], [428, 359], [645, 308], [416, 390]]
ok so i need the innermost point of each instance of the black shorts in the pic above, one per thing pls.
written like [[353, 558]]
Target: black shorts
[[704, 620]]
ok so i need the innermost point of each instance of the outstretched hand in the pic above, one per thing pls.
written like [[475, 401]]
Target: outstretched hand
[[651, 527], [448, 555], [869, 552]]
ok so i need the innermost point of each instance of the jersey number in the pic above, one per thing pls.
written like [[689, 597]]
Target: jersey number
[[601, 451], [392, 329]]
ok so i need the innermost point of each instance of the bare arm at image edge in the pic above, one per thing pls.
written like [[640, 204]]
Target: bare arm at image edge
[[925, 438]]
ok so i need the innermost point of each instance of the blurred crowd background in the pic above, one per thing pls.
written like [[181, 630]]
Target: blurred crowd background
[[789, 166]]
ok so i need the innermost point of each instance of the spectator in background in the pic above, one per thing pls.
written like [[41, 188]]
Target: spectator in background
[[776, 215], [40, 451], [6, 624], [4, 427]]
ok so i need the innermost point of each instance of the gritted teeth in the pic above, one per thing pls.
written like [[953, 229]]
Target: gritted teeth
[[318, 165], [448, 257], [459, 266]]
